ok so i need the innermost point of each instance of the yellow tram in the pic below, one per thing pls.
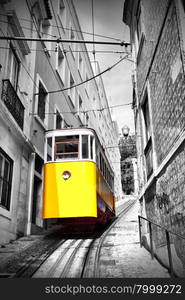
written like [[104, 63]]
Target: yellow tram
[[78, 179]]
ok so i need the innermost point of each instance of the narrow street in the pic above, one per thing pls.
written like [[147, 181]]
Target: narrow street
[[116, 251], [92, 147]]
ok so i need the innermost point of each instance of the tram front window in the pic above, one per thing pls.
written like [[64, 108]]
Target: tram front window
[[67, 147]]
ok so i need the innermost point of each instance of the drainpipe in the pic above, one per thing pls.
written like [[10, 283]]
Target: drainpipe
[[30, 192]]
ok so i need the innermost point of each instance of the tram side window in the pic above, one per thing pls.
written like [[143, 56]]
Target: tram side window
[[100, 162], [49, 149], [85, 153], [112, 182], [109, 179], [91, 146], [103, 168], [67, 147]]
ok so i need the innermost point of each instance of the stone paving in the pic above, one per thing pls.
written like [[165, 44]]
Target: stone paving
[[121, 254], [125, 257]]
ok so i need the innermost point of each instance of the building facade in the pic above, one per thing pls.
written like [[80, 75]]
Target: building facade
[[157, 34], [38, 93]]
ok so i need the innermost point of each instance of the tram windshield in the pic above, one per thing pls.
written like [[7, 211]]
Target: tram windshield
[[66, 147], [69, 147]]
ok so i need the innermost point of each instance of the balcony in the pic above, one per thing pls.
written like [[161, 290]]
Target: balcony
[[12, 102]]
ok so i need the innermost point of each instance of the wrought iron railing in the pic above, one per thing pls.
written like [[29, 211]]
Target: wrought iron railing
[[168, 241], [12, 102]]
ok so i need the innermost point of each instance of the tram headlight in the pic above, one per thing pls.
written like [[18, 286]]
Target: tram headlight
[[66, 175]]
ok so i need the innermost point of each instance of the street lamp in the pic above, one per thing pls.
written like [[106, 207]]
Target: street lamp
[[125, 131]]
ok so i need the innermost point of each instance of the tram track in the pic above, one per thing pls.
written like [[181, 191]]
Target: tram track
[[102, 239], [96, 268], [77, 257]]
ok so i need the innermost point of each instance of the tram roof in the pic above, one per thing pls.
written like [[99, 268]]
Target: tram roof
[[70, 131]]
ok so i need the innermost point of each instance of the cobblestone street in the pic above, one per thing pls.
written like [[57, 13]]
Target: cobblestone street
[[130, 259], [121, 255]]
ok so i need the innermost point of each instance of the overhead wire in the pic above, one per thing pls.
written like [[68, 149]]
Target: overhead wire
[[62, 112], [62, 45], [75, 51], [68, 88], [89, 79], [74, 112], [53, 71], [90, 110], [80, 31], [34, 82], [27, 28]]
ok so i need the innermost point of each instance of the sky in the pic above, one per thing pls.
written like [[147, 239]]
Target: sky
[[108, 22]]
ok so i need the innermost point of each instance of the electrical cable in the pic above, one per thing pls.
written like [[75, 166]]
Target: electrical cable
[[89, 79], [91, 110], [23, 65], [83, 32], [74, 51], [108, 69], [27, 28], [78, 84], [34, 82], [55, 75], [62, 47]]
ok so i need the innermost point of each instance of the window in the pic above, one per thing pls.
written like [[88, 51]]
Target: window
[[87, 120], [138, 21], [46, 33], [13, 67], [62, 13], [139, 31], [42, 98], [72, 37], [146, 118], [80, 109], [38, 163], [67, 147], [60, 64], [148, 138], [61, 8], [183, 3], [71, 92], [87, 85], [59, 120], [80, 65], [6, 168], [149, 159]]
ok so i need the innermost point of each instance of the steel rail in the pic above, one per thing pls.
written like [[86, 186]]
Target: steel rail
[[39, 260], [96, 270], [59, 259], [97, 257], [70, 261]]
